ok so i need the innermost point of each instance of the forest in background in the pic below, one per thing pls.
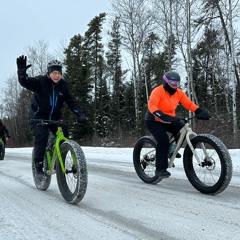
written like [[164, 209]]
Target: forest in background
[[123, 55]]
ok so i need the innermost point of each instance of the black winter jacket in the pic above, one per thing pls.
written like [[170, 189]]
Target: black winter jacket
[[48, 97], [3, 131]]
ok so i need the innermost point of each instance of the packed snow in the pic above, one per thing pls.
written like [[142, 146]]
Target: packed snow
[[117, 205]]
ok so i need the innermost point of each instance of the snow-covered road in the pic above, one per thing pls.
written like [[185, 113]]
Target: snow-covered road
[[117, 204]]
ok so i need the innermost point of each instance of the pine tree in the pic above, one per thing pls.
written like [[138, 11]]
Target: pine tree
[[116, 76], [208, 82], [95, 52], [77, 74]]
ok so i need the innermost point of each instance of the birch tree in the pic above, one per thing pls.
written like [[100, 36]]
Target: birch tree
[[137, 22], [225, 11]]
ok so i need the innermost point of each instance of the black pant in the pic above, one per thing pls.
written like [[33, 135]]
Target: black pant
[[41, 134], [4, 140], [159, 131]]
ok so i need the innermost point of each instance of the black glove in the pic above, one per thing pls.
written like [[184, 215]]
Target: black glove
[[22, 66], [202, 114], [165, 117], [82, 118]]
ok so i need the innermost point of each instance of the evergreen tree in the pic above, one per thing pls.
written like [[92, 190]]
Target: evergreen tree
[[116, 76], [77, 74], [208, 82], [93, 45]]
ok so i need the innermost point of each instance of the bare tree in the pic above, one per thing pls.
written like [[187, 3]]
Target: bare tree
[[225, 12], [137, 22], [175, 21], [16, 99], [11, 94], [234, 75], [38, 56]]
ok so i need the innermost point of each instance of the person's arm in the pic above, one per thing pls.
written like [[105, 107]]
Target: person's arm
[[22, 68], [154, 99], [191, 106], [186, 101], [30, 83]]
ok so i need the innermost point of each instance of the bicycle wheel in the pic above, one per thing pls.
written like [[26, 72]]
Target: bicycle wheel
[[42, 183], [144, 160], [73, 183], [214, 172], [2, 151]]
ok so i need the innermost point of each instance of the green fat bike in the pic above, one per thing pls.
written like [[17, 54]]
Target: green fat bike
[[65, 158]]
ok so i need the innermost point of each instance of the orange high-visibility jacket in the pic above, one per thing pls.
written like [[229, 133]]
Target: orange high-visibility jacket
[[161, 100]]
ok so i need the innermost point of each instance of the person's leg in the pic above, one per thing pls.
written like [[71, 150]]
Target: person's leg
[[174, 130], [158, 130], [4, 140], [40, 142]]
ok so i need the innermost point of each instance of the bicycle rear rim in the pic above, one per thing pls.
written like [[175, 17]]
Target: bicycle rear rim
[[73, 183], [214, 172], [144, 159]]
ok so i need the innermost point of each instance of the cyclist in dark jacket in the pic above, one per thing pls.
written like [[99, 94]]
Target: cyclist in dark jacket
[[4, 134], [50, 91]]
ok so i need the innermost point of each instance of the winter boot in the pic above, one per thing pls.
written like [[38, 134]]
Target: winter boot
[[39, 167]]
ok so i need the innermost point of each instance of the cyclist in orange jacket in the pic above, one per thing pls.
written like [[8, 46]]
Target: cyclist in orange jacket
[[161, 117]]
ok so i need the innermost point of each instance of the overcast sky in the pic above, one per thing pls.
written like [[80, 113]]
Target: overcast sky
[[25, 22]]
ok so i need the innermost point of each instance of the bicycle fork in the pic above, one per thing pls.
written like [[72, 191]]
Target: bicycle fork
[[188, 134], [57, 152]]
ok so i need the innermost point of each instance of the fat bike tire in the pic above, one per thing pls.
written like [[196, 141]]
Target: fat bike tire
[[73, 183], [2, 151], [214, 173], [44, 182], [144, 159]]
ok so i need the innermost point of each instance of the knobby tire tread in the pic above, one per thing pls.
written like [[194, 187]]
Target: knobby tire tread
[[225, 159], [82, 178], [137, 161]]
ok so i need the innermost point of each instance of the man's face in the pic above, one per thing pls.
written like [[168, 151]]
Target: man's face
[[55, 76]]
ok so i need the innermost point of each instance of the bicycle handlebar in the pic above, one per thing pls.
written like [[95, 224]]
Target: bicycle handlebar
[[187, 119], [47, 122], [44, 122]]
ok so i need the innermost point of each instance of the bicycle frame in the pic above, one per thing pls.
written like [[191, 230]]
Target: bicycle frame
[[56, 152], [185, 133]]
